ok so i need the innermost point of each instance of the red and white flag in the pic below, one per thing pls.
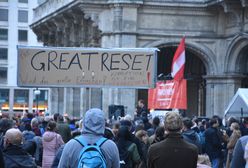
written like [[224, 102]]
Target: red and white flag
[[178, 63]]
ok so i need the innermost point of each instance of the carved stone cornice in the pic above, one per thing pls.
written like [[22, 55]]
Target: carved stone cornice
[[91, 12], [244, 3]]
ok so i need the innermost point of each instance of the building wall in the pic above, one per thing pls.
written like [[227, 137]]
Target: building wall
[[13, 24], [213, 31]]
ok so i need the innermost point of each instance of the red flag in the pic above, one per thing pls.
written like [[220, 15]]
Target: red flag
[[177, 69]]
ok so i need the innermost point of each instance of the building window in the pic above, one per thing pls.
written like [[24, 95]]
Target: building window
[[3, 0], [3, 75], [20, 100], [3, 14], [40, 101], [23, 1], [4, 99], [3, 34], [3, 53], [22, 35], [23, 16]]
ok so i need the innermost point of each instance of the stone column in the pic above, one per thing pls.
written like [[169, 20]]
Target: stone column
[[11, 101], [76, 102], [30, 101], [54, 104], [124, 35], [68, 101], [219, 91]]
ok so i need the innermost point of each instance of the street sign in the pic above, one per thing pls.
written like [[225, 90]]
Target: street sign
[[86, 67]]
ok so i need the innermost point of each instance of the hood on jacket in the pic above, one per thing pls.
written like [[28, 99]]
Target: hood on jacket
[[94, 122], [49, 136], [190, 134]]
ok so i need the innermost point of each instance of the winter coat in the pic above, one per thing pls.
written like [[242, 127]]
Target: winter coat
[[173, 152], [64, 130], [16, 157], [231, 144], [213, 143], [93, 130], [192, 137], [238, 153], [51, 142]]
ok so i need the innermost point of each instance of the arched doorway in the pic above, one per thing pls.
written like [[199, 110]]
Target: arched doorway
[[194, 72], [242, 61]]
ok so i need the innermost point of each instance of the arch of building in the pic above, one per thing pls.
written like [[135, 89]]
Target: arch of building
[[234, 56], [203, 52]]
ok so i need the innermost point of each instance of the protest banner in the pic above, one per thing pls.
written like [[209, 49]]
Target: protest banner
[[86, 67], [170, 94]]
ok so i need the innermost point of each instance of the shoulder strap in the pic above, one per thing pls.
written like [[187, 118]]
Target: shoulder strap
[[81, 140], [101, 141]]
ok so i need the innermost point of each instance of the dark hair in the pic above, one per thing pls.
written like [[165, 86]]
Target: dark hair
[[55, 116], [213, 121], [5, 124], [51, 126], [155, 121], [60, 118], [187, 122], [28, 127]]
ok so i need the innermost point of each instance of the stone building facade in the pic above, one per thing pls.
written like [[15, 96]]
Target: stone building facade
[[216, 45]]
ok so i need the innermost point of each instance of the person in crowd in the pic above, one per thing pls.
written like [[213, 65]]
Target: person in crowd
[[27, 133], [236, 134], [202, 129], [92, 131], [155, 125], [173, 152], [28, 144], [14, 155], [238, 159], [244, 126], [128, 152], [141, 108], [35, 126], [229, 122], [213, 143], [51, 141], [190, 135], [63, 129], [1, 159], [158, 136], [57, 157], [5, 124], [115, 128], [143, 137], [133, 139]]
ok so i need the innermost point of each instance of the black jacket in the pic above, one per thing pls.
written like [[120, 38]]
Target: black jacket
[[213, 143], [16, 157]]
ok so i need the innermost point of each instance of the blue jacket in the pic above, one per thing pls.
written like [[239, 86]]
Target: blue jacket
[[238, 160]]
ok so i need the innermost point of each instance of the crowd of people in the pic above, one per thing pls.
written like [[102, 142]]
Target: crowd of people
[[139, 142]]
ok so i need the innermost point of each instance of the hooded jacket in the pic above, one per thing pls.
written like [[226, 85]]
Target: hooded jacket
[[51, 142], [93, 130], [192, 137]]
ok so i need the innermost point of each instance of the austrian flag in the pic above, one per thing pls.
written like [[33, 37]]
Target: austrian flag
[[178, 63]]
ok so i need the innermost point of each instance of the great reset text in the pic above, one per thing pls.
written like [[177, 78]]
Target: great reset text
[[86, 67], [53, 60]]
